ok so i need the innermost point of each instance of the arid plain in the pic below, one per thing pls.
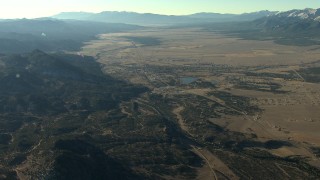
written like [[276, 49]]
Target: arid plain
[[266, 85]]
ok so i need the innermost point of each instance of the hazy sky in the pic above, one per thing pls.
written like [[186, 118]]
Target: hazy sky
[[41, 8]]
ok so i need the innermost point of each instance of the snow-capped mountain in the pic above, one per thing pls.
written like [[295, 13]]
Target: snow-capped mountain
[[295, 27], [308, 14], [302, 21]]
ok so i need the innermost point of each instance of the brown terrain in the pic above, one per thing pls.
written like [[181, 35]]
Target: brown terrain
[[288, 113]]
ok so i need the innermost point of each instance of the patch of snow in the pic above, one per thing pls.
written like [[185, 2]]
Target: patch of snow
[[317, 18], [293, 14], [278, 13], [312, 11], [303, 15]]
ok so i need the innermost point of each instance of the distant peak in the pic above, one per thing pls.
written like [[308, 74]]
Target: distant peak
[[37, 51], [38, 54]]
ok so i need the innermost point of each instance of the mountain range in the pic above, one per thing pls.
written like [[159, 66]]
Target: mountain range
[[157, 19], [307, 14], [68, 31], [300, 19], [301, 25], [294, 27]]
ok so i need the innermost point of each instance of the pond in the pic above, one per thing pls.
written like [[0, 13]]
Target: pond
[[188, 80]]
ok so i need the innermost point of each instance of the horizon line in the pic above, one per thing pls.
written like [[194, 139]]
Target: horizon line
[[97, 12]]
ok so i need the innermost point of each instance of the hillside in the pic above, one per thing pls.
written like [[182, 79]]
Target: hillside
[[295, 27], [305, 22], [300, 27], [46, 103], [24, 35]]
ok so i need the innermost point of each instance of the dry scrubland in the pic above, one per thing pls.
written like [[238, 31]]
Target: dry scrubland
[[192, 46], [267, 74]]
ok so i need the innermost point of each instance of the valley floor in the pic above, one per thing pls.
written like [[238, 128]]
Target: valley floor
[[244, 96]]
